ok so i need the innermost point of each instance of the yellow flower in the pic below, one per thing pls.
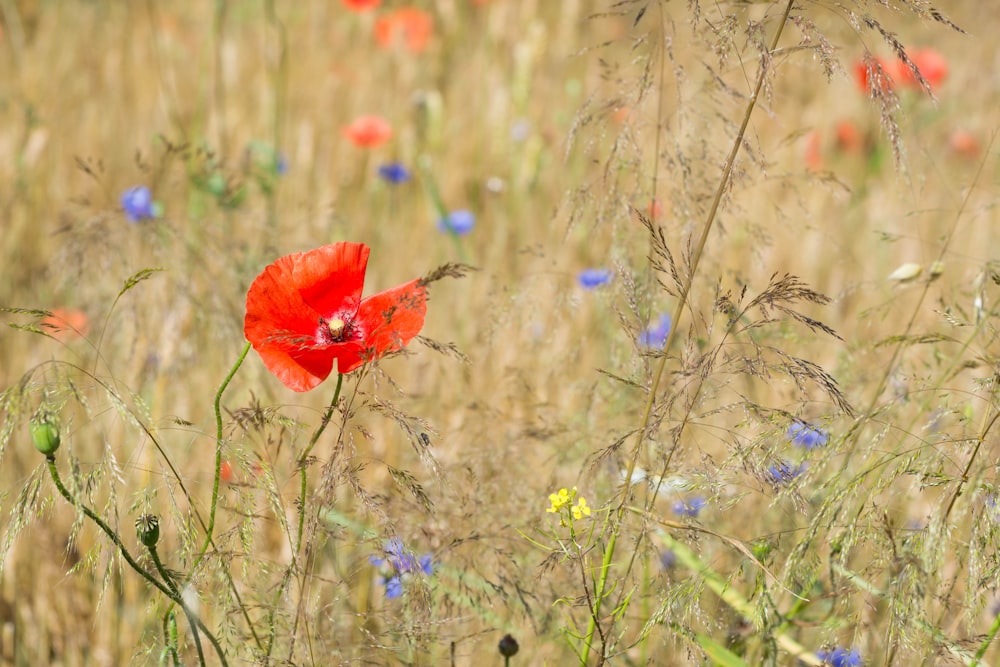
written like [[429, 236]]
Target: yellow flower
[[561, 499], [581, 509]]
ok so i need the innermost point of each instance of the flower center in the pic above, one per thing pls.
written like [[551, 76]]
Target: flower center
[[336, 330]]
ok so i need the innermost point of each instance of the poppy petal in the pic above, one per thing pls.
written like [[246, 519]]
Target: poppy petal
[[389, 320], [330, 275]]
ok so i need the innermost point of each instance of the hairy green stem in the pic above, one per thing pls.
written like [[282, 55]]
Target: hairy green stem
[[177, 596], [727, 172], [303, 488], [113, 536]]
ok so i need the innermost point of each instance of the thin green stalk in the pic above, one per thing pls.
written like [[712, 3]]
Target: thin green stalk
[[177, 595], [303, 488], [113, 536], [218, 448], [305, 455], [210, 528], [617, 518]]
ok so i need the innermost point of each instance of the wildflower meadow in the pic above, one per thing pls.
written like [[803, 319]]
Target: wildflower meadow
[[499, 332]]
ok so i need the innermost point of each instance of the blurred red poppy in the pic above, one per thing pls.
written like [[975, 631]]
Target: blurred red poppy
[[305, 311], [931, 64], [964, 144], [226, 473], [361, 5], [875, 72], [814, 151], [368, 131], [410, 25], [849, 139], [64, 323]]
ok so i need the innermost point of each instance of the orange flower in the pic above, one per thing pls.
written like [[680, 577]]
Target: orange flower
[[410, 25], [305, 311], [814, 151], [368, 131], [964, 144], [361, 5], [64, 324], [867, 74], [931, 65], [849, 139]]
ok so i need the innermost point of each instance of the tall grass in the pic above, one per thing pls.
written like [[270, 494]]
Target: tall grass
[[768, 439]]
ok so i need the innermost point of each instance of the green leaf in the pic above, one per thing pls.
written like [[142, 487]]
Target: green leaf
[[718, 653]]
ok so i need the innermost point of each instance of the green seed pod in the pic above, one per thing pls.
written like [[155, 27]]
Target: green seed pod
[[147, 527], [44, 433]]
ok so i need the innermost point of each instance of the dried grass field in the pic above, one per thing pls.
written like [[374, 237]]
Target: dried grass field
[[677, 342]]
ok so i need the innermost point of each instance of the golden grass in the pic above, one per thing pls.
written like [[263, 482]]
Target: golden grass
[[557, 124]]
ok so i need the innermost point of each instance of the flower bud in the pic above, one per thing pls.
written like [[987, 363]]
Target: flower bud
[[508, 646], [147, 527], [44, 433]]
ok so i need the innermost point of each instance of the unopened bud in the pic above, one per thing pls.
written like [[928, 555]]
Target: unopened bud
[[508, 646], [44, 433], [147, 527]]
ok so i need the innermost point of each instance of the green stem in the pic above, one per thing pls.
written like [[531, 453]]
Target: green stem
[[303, 460], [177, 596], [617, 519], [113, 536], [303, 488]]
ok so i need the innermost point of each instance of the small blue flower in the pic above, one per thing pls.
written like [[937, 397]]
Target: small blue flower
[[394, 172], [667, 559], [807, 436], [138, 204], [655, 335], [784, 472], [458, 222], [393, 587], [689, 508], [593, 278], [400, 564], [280, 164], [840, 657]]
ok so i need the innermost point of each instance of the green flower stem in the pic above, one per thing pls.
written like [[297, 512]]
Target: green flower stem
[[113, 536], [210, 529], [600, 591], [303, 460], [177, 596], [303, 488], [218, 450]]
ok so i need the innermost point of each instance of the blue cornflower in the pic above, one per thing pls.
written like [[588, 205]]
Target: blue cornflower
[[458, 222], [655, 335], [593, 278], [807, 436], [401, 564], [138, 204], [667, 559], [280, 164], [784, 472], [394, 172], [840, 657], [690, 507]]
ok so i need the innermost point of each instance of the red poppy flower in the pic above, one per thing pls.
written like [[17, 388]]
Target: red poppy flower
[[867, 75], [931, 64], [849, 138], [964, 144], [64, 324], [361, 5], [414, 26], [305, 311], [368, 131]]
